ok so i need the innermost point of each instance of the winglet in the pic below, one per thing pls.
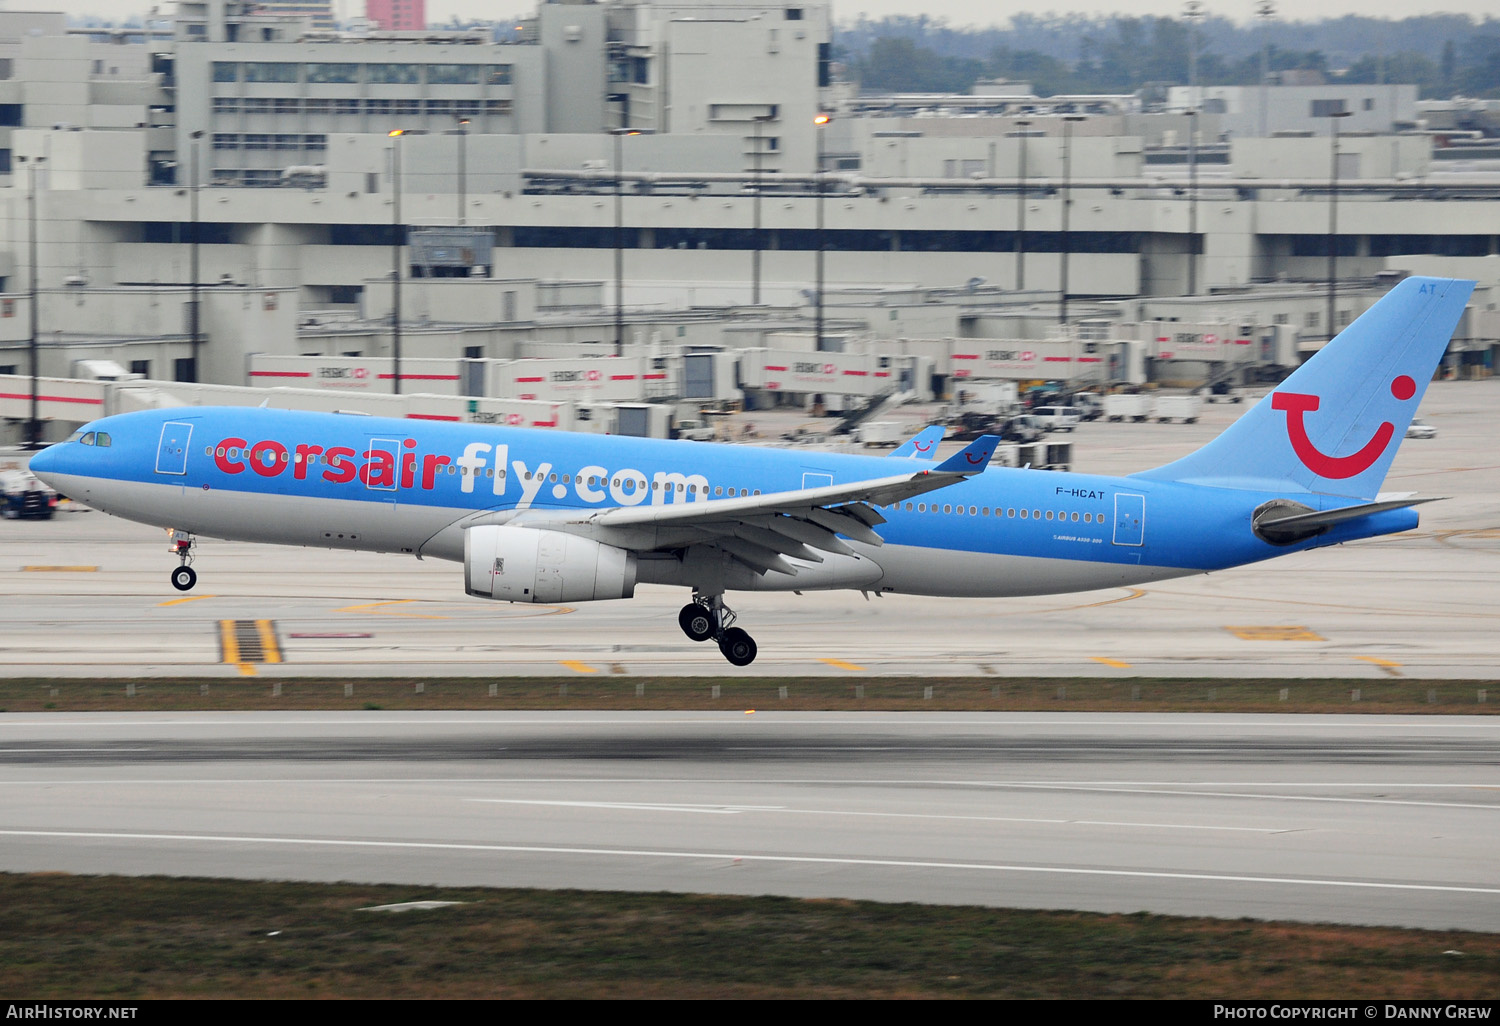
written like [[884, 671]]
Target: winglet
[[921, 446], [973, 458]]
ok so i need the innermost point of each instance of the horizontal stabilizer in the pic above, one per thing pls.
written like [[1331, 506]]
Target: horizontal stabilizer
[[1282, 522]]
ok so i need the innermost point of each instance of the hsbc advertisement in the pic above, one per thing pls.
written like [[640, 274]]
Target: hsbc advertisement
[[355, 374], [1198, 342], [603, 379], [839, 373], [1021, 360]]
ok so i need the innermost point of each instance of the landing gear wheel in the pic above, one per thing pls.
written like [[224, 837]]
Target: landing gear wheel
[[738, 647], [183, 578], [697, 621]]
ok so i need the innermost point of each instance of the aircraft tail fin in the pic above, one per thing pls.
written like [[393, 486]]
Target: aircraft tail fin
[[1334, 425], [921, 446]]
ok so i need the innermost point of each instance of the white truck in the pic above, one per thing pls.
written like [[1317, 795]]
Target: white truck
[[881, 433], [1127, 407], [1058, 418], [1185, 408]]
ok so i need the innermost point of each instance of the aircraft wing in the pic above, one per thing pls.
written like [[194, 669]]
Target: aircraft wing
[[760, 530]]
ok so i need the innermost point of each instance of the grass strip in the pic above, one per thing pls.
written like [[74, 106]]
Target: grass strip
[[842, 694], [77, 937]]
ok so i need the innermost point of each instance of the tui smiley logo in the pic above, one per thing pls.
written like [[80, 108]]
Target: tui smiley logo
[[1297, 405]]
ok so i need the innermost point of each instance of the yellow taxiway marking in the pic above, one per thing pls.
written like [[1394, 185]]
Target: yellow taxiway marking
[[180, 601], [1274, 634], [1111, 662], [268, 646], [840, 664], [578, 667], [60, 569], [374, 609], [1385, 665], [229, 646], [239, 640]]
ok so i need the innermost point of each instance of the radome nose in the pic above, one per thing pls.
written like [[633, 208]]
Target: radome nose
[[45, 462]]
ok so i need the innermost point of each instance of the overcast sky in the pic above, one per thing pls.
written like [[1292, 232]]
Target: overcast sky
[[955, 12]]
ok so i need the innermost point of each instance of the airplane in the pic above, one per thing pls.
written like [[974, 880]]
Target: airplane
[[554, 517]]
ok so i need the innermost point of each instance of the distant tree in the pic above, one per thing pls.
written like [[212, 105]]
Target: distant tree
[[1440, 53]]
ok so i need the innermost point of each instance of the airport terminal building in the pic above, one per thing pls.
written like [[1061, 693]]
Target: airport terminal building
[[656, 179]]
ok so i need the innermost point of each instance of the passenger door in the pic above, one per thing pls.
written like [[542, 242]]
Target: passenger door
[[172, 449], [1130, 519]]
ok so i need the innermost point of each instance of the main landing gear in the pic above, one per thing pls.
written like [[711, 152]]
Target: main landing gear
[[184, 577], [708, 617]]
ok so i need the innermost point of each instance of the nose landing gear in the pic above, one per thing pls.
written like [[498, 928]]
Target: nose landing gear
[[708, 617], [184, 577]]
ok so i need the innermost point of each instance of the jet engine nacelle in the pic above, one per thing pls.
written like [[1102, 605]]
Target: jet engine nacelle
[[518, 564]]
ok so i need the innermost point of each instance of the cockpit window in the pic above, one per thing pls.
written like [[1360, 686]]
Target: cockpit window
[[88, 439], [75, 436], [102, 439]]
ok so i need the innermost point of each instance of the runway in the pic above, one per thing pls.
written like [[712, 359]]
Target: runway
[[88, 595], [1366, 820]]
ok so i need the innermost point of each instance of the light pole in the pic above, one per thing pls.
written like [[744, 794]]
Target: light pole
[[463, 182], [34, 430], [1023, 124], [195, 322], [1192, 281], [395, 135], [1265, 10], [1193, 11], [1333, 212], [755, 241], [620, 134], [1068, 119], [820, 122]]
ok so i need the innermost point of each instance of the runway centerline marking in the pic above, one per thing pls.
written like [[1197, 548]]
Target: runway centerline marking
[[1267, 797], [736, 809], [715, 810], [734, 856]]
